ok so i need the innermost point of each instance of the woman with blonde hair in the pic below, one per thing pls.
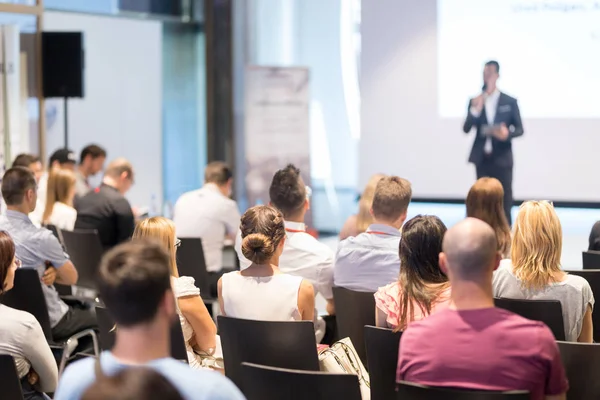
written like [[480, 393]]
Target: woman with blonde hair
[[261, 291], [534, 273], [485, 201], [199, 330], [358, 223], [59, 209]]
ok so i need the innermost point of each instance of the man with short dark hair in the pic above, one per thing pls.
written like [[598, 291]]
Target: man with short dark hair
[[211, 215], [472, 344], [32, 162], [38, 248], [91, 161], [370, 260], [135, 285], [106, 209], [302, 255]]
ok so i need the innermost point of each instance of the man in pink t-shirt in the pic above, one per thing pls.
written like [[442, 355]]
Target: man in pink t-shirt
[[472, 344]]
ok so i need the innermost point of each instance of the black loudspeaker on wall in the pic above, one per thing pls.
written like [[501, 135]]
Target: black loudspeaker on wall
[[62, 64]]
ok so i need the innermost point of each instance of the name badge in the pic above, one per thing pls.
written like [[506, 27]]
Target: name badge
[[504, 108]]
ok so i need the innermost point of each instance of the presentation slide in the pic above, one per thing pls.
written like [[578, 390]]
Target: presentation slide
[[544, 47], [421, 62]]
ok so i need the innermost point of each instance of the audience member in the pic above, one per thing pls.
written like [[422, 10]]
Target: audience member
[[358, 223], [303, 255], [135, 285], [370, 260], [21, 335], [594, 240], [262, 291], [32, 162], [106, 209], [534, 272], [60, 159], [422, 288], [199, 330], [472, 344], [37, 248], [209, 214], [91, 161], [136, 383], [59, 209], [485, 201]]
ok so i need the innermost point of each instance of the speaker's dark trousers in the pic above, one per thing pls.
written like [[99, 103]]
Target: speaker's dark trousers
[[488, 167]]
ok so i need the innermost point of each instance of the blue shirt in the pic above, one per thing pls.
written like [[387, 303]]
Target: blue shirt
[[34, 246], [192, 384], [368, 261]]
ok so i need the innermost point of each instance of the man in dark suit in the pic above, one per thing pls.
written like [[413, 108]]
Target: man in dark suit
[[497, 119]]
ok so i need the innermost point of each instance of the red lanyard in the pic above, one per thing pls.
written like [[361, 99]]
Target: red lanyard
[[379, 233], [293, 230]]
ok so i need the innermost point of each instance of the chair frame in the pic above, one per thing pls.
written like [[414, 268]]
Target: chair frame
[[7, 364]]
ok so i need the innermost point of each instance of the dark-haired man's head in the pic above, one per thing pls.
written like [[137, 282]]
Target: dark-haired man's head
[[470, 252], [32, 162], [19, 189], [64, 159], [288, 194], [219, 174], [91, 160], [491, 73], [390, 201], [135, 284]]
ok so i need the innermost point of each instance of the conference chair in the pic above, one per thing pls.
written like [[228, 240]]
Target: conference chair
[[27, 295], [413, 391], [55, 231], [270, 383], [593, 278], [547, 311], [191, 262], [289, 344], [108, 329], [354, 310], [582, 363], [591, 259], [382, 359], [10, 384], [85, 250]]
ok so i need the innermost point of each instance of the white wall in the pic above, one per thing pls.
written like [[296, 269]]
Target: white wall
[[122, 107], [403, 133]]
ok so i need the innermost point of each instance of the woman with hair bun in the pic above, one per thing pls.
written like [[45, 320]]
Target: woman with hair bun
[[261, 291]]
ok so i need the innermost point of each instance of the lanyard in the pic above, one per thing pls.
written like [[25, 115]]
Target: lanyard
[[379, 233], [293, 230]]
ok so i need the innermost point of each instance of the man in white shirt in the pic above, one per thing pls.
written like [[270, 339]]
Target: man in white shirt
[[211, 215], [497, 119], [303, 255]]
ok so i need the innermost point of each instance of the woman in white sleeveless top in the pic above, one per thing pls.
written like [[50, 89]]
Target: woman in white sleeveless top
[[199, 330], [261, 291]]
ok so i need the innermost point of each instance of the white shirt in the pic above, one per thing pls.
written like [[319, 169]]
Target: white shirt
[[303, 256], [491, 106], [207, 214], [267, 298], [63, 216]]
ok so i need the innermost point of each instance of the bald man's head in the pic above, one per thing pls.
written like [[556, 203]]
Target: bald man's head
[[119, 174], [469, 250]]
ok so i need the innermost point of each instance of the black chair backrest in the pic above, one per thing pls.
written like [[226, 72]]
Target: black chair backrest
[[270, 383], [27, 295], [354, 310], [85, 250], [593, 278], [191, 262], [10, 385], [382, 358], [591, 259], [55, 231], [582, 363], [273, 343], [546, 311], [411, 391], [107, 328]]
